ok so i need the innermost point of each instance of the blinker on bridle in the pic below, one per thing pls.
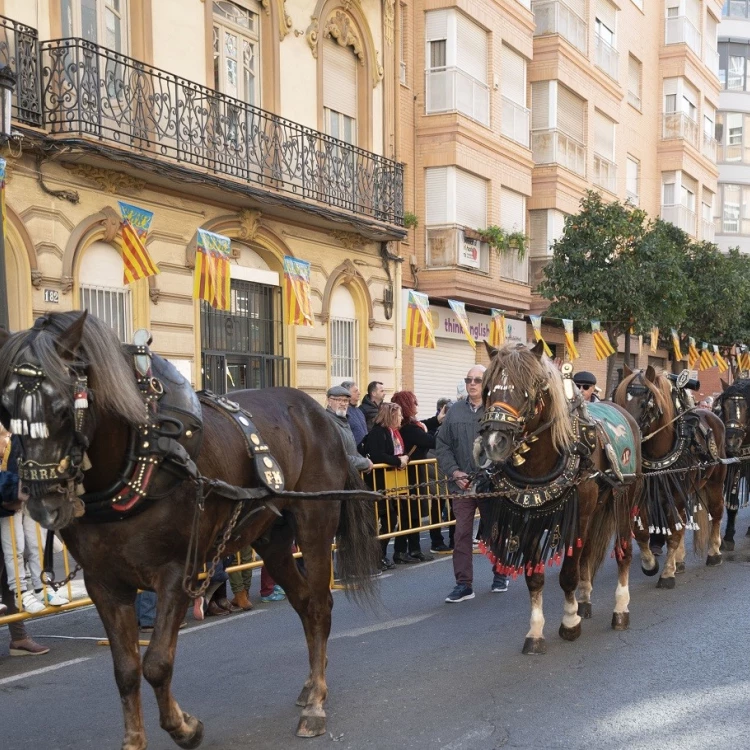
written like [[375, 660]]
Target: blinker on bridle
[[651, 410]]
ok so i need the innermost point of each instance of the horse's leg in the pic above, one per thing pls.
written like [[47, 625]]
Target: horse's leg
[[158, 661], [679, 557], [728, 542], [535, 643], [570, 627], [714, 491], [666, 580], [649, 562], [624, 556], [116, 608]]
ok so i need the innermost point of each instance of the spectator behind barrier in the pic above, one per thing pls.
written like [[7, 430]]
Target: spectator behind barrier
[[354, 415], [371, 402]]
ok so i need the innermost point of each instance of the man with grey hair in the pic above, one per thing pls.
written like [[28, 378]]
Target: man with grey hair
[[338, 401], [354, 416], [455, 454]]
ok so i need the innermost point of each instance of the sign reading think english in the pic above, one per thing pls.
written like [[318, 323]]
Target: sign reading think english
[[447, 326]]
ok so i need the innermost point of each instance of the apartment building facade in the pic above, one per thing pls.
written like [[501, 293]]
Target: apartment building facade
[[268, 121]]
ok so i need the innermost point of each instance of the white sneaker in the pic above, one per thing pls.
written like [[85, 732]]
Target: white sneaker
[[31, 604], [56, 599]]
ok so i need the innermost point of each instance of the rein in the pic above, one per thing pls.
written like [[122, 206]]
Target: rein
[[664, 427]]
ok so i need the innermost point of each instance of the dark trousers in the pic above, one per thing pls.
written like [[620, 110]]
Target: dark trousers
[[464, 509], [17, 629]]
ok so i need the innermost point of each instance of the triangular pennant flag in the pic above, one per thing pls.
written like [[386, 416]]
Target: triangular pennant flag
[[297, 292], [419, 331], [602, 346], [676, 345], [212, 280], [654, 338], [706, 358], [497, 328], [720, 361], [459, 310], [693, 355], [536, 324], [136, 259], [570, 339], [744, 359]]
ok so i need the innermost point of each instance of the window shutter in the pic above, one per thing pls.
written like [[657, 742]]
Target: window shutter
[[634, 76], [471, 200], [436, 197], [693, 12], [577, 6], [436, 25], [604, 136], [689, 183], [570, 113], [712, 28], [689, 93], [512, 211], [339, 78], [471, 48], [342, 303], [668, 188], [631, 177], [540, 119], [513, 76], [538, 228], [607, 14], [670, 86]]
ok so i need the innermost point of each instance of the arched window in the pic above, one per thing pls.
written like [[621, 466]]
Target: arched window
[[236, 49], [103, 22], [340, 91], [344, 332], [101, 288]]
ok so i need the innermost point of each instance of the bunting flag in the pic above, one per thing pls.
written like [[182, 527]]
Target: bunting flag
[[135, 225], [419, 331], [676, 345], [497, 328], [720, 361], [459, 310], [654, 338], [693, 355], [570, 339], [297, 292], [743, 358], [602, 346], [212, 279], [706, 359], [536, 324]]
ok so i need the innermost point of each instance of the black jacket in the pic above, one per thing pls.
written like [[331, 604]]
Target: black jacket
[[370, 409], [415, 437], [379, 446]]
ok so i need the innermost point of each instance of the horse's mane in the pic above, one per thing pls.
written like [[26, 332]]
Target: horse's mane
[[529, 373], [661, 389], [110, 373]]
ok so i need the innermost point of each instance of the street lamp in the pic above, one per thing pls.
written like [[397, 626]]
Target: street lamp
[[7, 84]]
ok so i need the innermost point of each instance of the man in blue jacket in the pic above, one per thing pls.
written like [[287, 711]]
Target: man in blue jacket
[[354, 415]]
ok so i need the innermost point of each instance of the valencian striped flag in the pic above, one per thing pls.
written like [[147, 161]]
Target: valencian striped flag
[[743, 359], [676, 345], [570, 341], [497, 328], [602, 346], [419, 331], [693, 355], [135, 225], [706, 358], [459, 310], [654, 338], [297, 292], [536, 325], [720, 361], [212, 280]]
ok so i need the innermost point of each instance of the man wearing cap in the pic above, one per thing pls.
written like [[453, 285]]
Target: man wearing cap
[[586, 382], [338, 402]]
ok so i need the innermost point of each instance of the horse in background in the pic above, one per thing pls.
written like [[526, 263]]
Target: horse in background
[[557, 500], [675, 438], [69, 361]]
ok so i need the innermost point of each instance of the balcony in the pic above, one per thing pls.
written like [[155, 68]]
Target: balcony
[[712, 60], [515, 122], [632, 197], [681, 216], [606, 57], [680, 30], [634, 100], [736, 9], [453, 90], [679, 125], [449, 246], [555, 17], [709, 147], [605, 173], [707, 230], [19, 50], [555, 147], [733, 152]]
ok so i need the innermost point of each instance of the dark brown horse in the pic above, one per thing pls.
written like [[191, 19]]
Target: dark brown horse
[[677, 493], [561, 503], [148, 550]]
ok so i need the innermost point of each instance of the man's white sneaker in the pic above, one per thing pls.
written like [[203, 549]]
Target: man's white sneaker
[[56, 599], [31, 604]]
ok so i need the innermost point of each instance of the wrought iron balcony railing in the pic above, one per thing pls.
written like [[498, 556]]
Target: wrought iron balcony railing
[[96, 93], [19, 49]]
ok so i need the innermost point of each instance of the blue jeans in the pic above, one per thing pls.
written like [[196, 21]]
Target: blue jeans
[[145, 609]]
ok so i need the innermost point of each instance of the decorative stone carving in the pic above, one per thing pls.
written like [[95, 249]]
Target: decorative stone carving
[[312, 36], [153, 290], [389, 19], [36, 278], [66, 284], [111, 222], [250, 220], [106, 179], [350, 240], [340, 27], [49, 248], [285, 22], [348, 275]]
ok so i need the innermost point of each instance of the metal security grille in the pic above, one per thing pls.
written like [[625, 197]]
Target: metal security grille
[[344, 349], [243, 347], [112, 305]]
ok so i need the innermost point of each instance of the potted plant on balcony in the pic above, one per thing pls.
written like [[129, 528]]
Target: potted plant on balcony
[[410, 220], [503, 241]]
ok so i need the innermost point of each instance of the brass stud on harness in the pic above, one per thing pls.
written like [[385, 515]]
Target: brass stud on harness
[[254, 438]]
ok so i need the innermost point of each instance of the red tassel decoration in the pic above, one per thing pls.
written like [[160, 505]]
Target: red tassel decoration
[[579, 543], [570, 551]]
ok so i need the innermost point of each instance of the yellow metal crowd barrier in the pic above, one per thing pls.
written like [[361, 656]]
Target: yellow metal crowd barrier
[[395, 515]]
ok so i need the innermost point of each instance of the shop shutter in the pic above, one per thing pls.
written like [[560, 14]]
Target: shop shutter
[[438, 371], [471, 200], [513, 76], [339, 78], [436, 197], [604, 136], [570, 112], [471, 48]]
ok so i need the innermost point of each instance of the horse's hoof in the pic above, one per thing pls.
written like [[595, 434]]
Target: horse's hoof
[[680, 567], [727, 545], [584, 610], [534, 646], [665, 583], [193, 737], [311, 726], [570, 634], [620, 620], [713, 560], [303, 696], [651, 571]]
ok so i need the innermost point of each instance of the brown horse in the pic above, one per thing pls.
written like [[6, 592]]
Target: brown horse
[[558, 501], [67, 360], [679, 492]]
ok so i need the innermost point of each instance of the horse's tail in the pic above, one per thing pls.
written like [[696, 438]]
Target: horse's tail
[[602, 528], [356, 539]]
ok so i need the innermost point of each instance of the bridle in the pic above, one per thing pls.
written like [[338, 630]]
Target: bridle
[[651, 409], [735, 427]]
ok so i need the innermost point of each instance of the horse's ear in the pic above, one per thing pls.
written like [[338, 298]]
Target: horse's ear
[[70, 339], [724, 384], [491, 351], [650, 374], [538, 349], [626, 371]]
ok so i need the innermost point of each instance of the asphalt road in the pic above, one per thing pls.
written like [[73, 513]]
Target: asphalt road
[[418, 673]]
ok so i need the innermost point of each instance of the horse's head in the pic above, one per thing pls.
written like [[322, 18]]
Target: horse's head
[[48, 401], [644, 395], [733, 410], [522, 392]]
